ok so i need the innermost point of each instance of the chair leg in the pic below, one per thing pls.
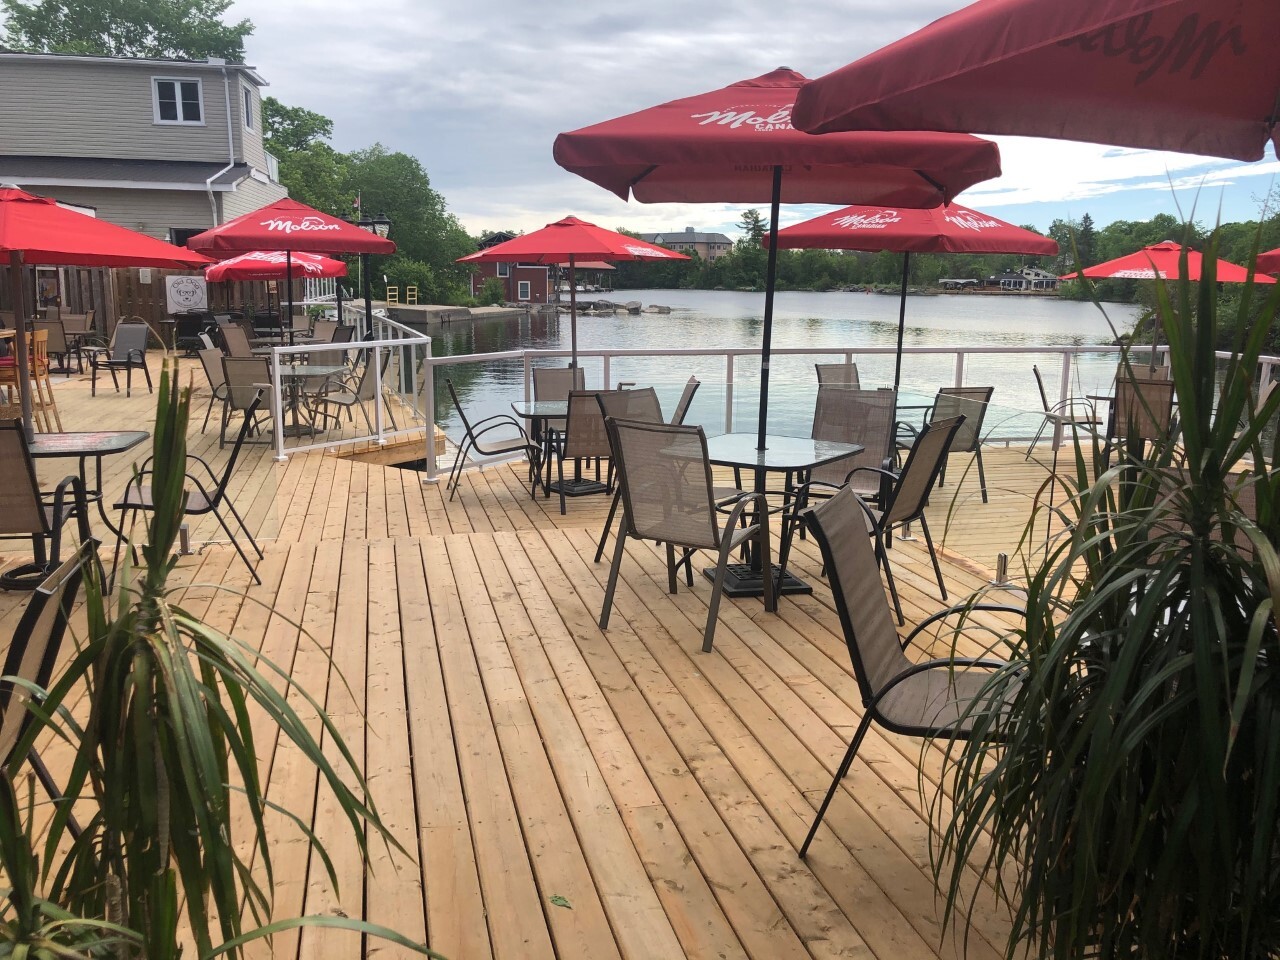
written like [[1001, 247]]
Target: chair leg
[[207, 414], [671, 568], [146, 372], [455, 472], [239, 549], [53, 790], [982, 477], [560, 484], [933, 555], [717, 588], [618, 549], [845, 764], [883, 556], [608, 524], [245, 527], [93, 378], [1036, 439]]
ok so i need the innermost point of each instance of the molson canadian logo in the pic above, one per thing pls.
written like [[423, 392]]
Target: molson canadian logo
[[300, 226], [879, 220], [971, 221], [763, 119], [638, 251], [1190, 44]]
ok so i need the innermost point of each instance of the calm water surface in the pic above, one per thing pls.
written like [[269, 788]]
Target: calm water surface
[[814, 321]]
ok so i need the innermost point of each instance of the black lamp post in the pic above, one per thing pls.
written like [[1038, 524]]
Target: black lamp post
[[381, 226]]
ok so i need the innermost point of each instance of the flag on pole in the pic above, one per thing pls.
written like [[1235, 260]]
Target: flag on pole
[[356, 204]]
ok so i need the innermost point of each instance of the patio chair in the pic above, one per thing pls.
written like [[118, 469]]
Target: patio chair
[[685, 401], [127, 352], [583, 438], [474, 439], [187, 329], [907, 495], [206, 492], [333, 395], [667, 496], [26, 513], [1075, 413], [930, 698], [642, 405], [972, 403], [32, 657], [838, 374], [322, 331], [555, 383], [1142, 410], [235, 341], [42, 399], [59, 346], [211, 360], [245, 379]]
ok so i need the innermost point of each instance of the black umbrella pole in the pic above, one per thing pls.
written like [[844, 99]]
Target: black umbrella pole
[[770, 280], [902, 324], [22, 359], [288, 283]]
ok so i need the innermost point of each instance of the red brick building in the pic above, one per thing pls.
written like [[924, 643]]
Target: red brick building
[[522, 282]]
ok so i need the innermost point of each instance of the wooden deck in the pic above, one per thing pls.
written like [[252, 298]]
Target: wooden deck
[[566, 792]]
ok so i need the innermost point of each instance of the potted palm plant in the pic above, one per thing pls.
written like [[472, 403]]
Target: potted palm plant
[[175, 846], [1131, 807]]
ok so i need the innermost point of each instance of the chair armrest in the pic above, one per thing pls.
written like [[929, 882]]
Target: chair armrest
[[502, 422], [739, 505], [204, 463], [958, 608]]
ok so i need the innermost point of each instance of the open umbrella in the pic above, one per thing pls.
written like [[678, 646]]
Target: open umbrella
[[289, 226], [737, 145], [1192, 76], [953, 229], [1268, 262], [35, 230], [571, 241]]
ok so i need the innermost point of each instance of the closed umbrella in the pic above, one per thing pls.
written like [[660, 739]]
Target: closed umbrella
[[35, 230], [953, 229], [1192, 76], [737, 145], [289, 226], [272, 265], [575, 242]]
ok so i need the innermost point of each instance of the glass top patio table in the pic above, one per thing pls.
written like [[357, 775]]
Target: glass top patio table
[[85, 444], [789, 454], [541, 409]]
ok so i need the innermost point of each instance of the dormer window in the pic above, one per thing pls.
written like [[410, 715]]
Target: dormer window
[[177, 101]]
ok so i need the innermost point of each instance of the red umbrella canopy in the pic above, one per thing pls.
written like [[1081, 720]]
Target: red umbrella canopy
[[1268, 262], [1193, 76], [952, 229], [568, 240], [270, 265], [722, 146], [289, 225], [43, 232], [1162, 261]]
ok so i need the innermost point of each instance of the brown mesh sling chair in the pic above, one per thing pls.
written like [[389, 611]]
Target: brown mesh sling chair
[[972, 403], [475, 439], [686, 400], [211, 361], [582, 438], [26, 513], [929, 698], [1142, 410], [127, 352], [667, 497], [1076, 413], [642, 405]]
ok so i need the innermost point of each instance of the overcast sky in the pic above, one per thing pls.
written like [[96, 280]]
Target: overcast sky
[[478, 91]]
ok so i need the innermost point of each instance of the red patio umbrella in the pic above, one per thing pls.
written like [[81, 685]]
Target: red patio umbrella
[[35, 230], [271, 265], [1268, 262], [737, 145], [1193, 76], [1162, 261], [953, 229], [571, 241], [289, 226]]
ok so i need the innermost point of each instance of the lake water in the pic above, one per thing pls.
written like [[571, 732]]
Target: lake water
[[811, 321]]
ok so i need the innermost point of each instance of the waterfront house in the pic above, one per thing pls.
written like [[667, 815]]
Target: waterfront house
[[708, 246], [522, 282]]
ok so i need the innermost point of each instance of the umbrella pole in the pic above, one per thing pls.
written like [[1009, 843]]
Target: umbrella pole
[[902, 325], [22, 358], [770, 280], [573, 313], [288, 285]]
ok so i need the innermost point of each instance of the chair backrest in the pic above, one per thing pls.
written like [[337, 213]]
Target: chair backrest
[[189, 325], [245, 376], [40, 349], [457, 405], [839, 525], [584, 431], [53, 312], [208, 343], [250, 411], [1143, 409], [971, 403], [75, 322], [851, 415], [237, 342], [88, 318], [910, 494], [664, 478], [323, 330], [1044, 397], [21, 511], [367, 388], [130, 342], [211, 360], [555, 383], [33, 653], [640, 404], [838, 374], [343, 335], [685, 401]]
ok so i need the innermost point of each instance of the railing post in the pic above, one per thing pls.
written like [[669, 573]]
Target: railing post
[[277, 406], [377, 392], [606, 372], [1064, 391], [528, 378], [959, 368], [429, 401], [728, 393]]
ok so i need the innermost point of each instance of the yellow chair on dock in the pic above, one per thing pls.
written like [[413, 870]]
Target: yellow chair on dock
[[411, 296], [393, 294]]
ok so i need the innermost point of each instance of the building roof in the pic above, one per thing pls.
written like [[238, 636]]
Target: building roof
[[169, 63], [120, 174], [684, 236]]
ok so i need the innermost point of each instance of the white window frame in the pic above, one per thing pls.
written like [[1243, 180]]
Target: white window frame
[[504, 270], [246, 107], [524, 290], [178, 81]]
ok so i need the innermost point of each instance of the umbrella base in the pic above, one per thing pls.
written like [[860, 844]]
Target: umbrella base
[[742, 580], [578, 487]]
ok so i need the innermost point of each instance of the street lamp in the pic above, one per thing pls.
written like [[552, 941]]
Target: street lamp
[[380, 226]]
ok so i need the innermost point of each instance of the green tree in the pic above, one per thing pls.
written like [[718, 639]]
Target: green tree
[[1086, 242], [188, 29], [310, 169]]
